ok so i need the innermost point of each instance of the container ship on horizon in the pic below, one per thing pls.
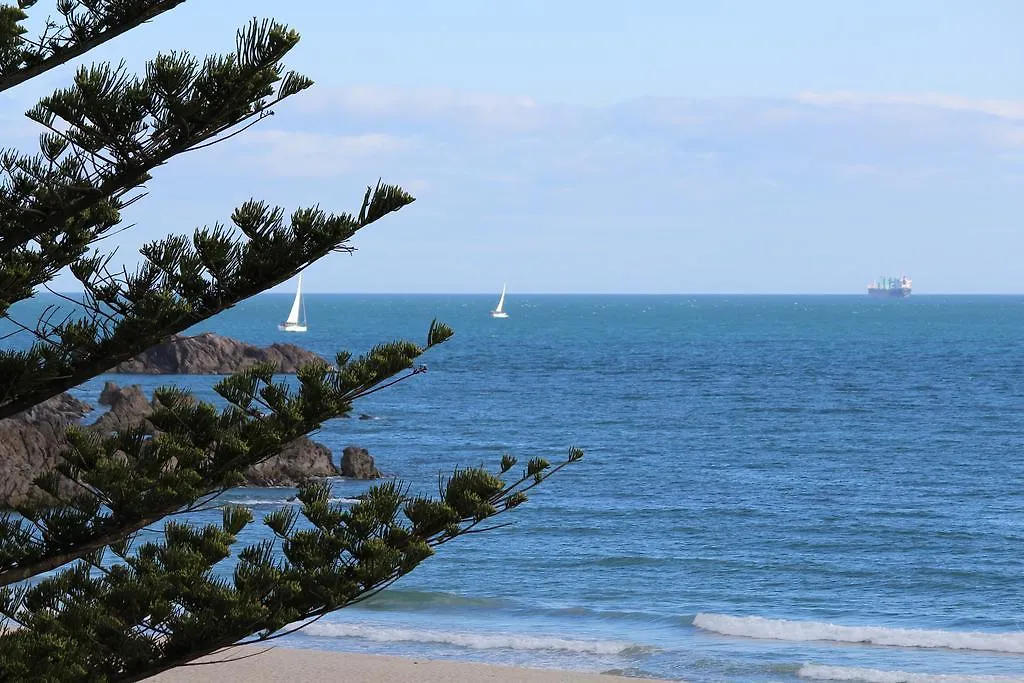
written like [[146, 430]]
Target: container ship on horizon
[[897, 287]]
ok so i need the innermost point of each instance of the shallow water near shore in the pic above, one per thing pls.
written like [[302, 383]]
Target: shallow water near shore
[[775, 488]]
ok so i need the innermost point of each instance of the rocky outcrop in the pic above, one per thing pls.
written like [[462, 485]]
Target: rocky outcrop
[[128, 406], [302, 460], [213, 354], [30, 444], [62, 409], [357, 463]]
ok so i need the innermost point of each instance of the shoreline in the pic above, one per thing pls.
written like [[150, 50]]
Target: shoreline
[[294, 665]]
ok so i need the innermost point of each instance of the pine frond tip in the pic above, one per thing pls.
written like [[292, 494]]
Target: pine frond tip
[[293, 83], [439, 333], [536, 466], [382, 200], [235, 518]]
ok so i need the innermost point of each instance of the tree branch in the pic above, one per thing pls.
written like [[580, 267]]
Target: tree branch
[[66, 54]]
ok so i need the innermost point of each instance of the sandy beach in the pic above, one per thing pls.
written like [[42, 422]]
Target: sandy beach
[[286, 665]]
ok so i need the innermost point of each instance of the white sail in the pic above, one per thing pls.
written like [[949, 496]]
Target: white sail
[[292, 324], [501, 300], [499, 312], [293, 315]]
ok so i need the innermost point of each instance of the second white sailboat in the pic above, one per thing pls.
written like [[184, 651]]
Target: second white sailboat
[[499, 312]]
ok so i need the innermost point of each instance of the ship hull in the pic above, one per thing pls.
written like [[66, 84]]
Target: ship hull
[[895, 293]]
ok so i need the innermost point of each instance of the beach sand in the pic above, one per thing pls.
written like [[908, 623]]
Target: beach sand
[[287, 665]]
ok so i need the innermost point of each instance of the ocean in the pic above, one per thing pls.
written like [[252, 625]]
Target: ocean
[[775, 488]]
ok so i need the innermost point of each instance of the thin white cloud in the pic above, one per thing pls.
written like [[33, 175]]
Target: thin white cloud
[[487, 141], [1009, 109], [425, 99], [422, 103], [737, 171], [346, 145], [307, 154]]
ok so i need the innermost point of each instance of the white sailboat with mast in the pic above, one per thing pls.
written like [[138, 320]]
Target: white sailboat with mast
[[499, 312], [292, 324]]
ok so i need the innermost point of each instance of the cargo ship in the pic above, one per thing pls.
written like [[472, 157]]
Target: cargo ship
[[898, 287]]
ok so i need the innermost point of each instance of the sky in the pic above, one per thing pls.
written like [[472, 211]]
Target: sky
[[648, 147]]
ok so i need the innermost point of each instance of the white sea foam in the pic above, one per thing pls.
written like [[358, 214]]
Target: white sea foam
[[278, 501], [841, 673], [782, 629], [476, 641]]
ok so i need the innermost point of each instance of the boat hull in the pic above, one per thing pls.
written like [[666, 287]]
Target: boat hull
[[289, 327], [894, 293], [499, 314]]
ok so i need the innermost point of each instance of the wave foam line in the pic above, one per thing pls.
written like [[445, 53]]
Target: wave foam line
[[476, 641], [278, 501], [782, 629], [842, 673], [398, 599]]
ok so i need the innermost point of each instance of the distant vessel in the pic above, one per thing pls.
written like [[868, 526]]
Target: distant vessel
[[898, 287], [292, 324], [499, 312]]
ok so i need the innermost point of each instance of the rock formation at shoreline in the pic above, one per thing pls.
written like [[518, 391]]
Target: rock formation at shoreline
[[300, 460], [30, 444], [212, 354], [357, 463]]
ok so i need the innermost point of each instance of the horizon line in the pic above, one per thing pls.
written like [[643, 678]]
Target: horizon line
[[533, 293]]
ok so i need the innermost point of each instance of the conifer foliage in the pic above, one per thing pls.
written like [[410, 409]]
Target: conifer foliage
[[82, 595]]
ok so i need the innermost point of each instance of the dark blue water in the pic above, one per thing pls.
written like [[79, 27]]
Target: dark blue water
[[775, 488]]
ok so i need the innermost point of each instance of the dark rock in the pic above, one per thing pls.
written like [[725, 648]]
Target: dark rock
[[128, 406], [30, 444], [213, 354], [303, 459], [357, 463], [109, 393], [364, 416], [62, 409]]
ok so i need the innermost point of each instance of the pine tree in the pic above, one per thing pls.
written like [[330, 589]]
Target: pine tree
[[82, 597]]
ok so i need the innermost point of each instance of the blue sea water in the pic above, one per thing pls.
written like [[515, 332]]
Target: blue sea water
[[775, 488]]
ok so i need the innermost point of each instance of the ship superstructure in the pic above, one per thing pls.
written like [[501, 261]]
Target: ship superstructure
[[890, 287]]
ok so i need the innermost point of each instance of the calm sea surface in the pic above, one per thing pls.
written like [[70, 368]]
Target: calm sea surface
[[775, 488]]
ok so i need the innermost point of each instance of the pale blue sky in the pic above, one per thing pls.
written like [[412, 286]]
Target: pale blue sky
[[610, 147]]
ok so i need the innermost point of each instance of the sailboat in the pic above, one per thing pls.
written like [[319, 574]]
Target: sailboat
[[292, 324], [499, 312]]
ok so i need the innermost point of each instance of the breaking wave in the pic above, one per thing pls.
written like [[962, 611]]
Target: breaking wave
[[842, 673], [476, 641], [271, 501], [783, 629]]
